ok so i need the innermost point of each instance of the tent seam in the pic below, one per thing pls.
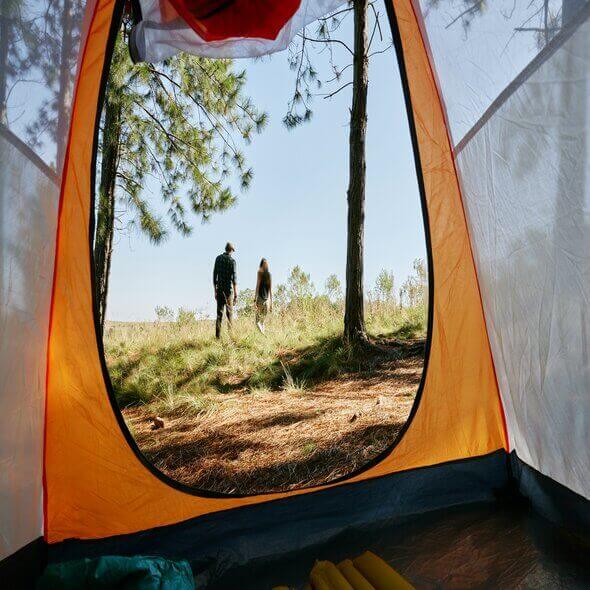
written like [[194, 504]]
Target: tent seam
[[428, 52]]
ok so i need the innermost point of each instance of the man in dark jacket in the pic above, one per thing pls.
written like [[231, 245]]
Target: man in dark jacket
[[225, 283]]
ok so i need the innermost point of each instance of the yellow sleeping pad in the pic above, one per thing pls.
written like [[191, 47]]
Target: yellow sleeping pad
[[318, 579], [379, 573], [327, 571], [354, 577], [367, 572]]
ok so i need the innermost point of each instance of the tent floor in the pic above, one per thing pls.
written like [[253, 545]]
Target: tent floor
[[479, 546]]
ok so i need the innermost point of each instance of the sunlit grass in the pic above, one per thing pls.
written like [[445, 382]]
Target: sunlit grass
[[178, 367]]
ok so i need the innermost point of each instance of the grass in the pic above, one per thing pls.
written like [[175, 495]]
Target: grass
[[181, 368], [254, 412]]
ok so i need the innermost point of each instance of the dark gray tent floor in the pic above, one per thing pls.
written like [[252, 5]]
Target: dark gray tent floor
[[478, 546]]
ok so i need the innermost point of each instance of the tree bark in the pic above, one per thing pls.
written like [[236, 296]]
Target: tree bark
[[64, 97], [105, 214], [354, 316]]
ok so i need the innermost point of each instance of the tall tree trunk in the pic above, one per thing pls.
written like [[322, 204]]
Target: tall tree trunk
[[354, 316], [105, 215], [64, 97], [4, 40]]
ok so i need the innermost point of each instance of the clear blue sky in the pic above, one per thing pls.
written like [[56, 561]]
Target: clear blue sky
[[295, 210]]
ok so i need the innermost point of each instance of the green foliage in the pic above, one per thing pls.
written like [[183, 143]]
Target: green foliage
[[384, 286], [185, 316], [333, 288], [299, 286], [245, 301], [164, 314], [414, 291], [182, 123], [280, 296]]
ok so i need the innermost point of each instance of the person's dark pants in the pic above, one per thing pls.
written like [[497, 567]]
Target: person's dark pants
[[224, 301]]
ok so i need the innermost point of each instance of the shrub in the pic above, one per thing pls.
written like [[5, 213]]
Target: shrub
[[185, 316]]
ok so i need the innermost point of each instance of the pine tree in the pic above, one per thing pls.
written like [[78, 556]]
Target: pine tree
[[176, 122], [299, 111]]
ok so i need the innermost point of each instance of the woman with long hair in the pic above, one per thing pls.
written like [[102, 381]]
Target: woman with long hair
[[263, 294]]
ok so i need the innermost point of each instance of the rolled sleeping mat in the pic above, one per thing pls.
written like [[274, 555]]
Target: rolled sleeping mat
[[335, 578], [380, 574], [318, 580], [354, 577], [326, 575]]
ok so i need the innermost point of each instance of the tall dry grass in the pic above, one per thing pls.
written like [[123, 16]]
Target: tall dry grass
[[179, 367]]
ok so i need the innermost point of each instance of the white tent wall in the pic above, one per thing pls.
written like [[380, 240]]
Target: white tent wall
[[28, 207], [525, 172], [39, 43], [526, 177]]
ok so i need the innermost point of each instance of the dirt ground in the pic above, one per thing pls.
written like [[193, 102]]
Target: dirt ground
[[261, 441]]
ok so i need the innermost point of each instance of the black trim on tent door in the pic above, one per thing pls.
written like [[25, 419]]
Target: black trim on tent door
[[117, 16], [284, 526]]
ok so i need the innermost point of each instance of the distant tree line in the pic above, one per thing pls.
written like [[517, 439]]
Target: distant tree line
[[299, 291]]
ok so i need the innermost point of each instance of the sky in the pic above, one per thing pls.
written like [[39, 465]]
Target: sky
[[294, 212]]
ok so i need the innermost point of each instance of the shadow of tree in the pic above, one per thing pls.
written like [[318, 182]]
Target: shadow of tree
[[226, 462], [327, 358], [331, 357], [122, 371]]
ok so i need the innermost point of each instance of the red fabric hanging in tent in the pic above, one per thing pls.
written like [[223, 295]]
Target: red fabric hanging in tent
[[217, 20], [222, 28]]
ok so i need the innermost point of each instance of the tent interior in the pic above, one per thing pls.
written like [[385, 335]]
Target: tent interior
[[487, 485], [473, 546]]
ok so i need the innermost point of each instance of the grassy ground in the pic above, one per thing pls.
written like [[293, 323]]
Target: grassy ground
[[258, 412]]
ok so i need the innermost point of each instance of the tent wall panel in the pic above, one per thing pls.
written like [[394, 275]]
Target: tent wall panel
[[97, 486], [28, 212], [532, 239], [525, 173], [553, 500]]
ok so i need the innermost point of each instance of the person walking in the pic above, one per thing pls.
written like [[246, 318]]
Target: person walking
[[225, 285], [263, 294]]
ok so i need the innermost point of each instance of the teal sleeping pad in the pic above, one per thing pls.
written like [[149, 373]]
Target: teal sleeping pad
[[122, 573]]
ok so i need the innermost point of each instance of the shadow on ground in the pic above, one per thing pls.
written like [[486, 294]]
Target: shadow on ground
[[351, 409]]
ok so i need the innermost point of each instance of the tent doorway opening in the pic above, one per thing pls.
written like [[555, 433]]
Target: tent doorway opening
[[195, 154]]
